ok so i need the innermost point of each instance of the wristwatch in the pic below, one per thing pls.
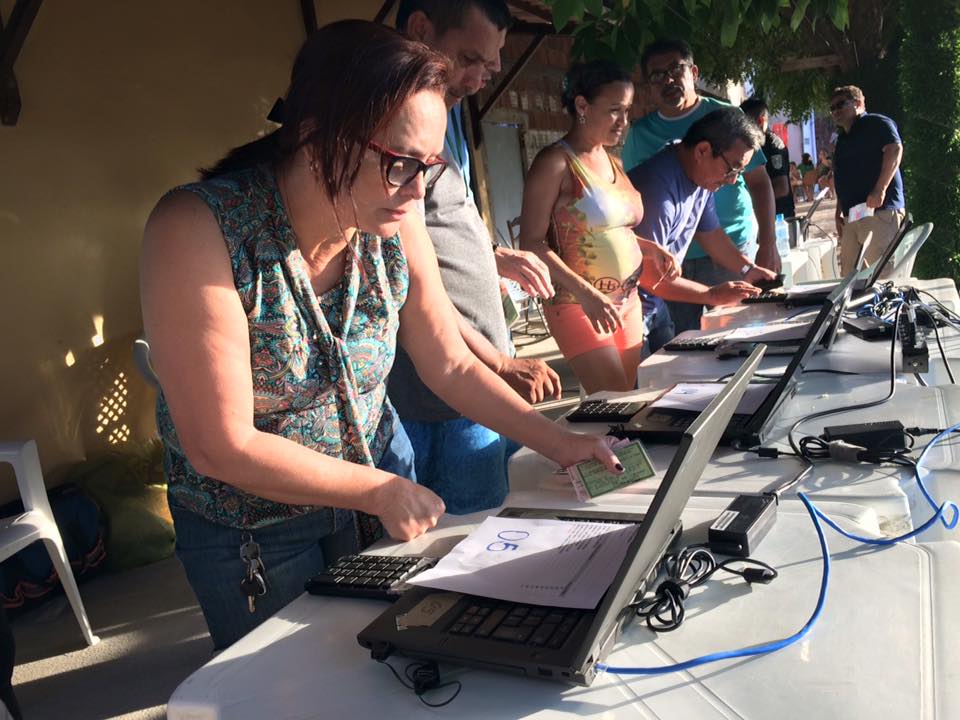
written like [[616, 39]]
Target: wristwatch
[[746, 268]]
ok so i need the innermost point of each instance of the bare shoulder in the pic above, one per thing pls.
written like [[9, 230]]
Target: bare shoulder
[[550, 165], [182, 239], [176, 213]]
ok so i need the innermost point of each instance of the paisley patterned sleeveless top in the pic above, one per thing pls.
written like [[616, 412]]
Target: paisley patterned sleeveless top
[[319, 364], [594, 231]]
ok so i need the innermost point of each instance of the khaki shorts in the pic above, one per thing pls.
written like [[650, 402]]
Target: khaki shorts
[[877, 230]]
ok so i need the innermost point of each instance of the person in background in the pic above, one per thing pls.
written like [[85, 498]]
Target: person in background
[[809, 175], [463, 461], [679, 186], [866, 169], [745, 208], [825, 172], [778, 157], [579, 210], [274, 294], [796, 182]]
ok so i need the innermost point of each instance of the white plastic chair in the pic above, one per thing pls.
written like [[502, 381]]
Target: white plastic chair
[[901, 264], [37, 523]]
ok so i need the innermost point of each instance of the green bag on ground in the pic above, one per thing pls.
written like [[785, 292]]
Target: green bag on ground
[[139, 527]]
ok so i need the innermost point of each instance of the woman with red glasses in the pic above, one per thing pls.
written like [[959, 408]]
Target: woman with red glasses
[[274, 293]]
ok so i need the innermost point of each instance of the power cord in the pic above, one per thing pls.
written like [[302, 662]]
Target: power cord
[[424, 677], [816, 515], [761, 649], [692, 566]]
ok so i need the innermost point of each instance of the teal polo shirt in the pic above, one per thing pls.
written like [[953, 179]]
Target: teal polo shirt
[[649, 134]]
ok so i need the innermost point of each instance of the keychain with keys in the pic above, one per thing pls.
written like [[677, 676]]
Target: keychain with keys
[[254, 584]]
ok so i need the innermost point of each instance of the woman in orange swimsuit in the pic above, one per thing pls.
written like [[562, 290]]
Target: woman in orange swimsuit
[[578, 196]]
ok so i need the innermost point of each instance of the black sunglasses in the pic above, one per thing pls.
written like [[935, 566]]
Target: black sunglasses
[[398, 170], [839, 105], [732, 172]]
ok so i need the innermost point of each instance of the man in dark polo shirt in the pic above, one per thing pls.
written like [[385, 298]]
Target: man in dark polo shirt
[[778, 157], [866, 171]]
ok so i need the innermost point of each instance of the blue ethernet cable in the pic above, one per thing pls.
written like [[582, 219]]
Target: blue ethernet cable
[[761, 649]]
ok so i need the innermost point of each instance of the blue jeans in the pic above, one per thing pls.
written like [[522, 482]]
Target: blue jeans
[[292, 551], [462, 462], [686, 316], [659, 328]]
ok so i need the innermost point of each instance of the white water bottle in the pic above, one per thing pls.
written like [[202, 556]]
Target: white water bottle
[[782, 235]]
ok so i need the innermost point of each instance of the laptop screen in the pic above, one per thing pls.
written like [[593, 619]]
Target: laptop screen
[[696, 447], [888, 253]]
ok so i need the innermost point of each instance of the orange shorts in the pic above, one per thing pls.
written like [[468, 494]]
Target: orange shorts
[[575, 335]]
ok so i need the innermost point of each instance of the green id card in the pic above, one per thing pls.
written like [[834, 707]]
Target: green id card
[[591, 478]]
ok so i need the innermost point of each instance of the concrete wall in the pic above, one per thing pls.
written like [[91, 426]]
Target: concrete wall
[[121, 100]]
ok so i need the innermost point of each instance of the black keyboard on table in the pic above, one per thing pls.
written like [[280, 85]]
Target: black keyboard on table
[[369, 576], [767, 296], [605, 411], [689, 344], [510, 622]]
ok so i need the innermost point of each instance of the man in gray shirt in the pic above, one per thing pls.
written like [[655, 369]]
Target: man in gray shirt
[[463, 462]]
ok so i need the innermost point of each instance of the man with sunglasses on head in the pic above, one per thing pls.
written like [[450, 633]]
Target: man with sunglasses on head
[[745, 208], [866, 172], [465, 463], [678, 186]]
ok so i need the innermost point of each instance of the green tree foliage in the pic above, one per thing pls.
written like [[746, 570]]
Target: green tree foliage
[[930, 87], [731, 39]]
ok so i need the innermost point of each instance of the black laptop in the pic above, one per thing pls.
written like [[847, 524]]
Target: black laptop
[[782, 337], [746, 429], [551, 643], [815, 293]]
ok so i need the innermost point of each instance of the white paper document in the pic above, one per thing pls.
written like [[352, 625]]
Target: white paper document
[[696, 396], [543, 562]]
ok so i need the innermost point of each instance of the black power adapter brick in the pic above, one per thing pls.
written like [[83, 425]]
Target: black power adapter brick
[[886, 435], [868, 328], [740, 528]]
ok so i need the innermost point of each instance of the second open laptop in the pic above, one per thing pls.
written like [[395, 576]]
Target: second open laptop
[[556, 643], [662, 421], [815, 293]]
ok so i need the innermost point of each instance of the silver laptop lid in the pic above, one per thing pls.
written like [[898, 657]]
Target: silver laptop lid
[[876, 270], [654, 534], [830, 310]]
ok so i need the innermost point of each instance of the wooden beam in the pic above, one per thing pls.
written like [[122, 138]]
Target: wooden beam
[[531, 9], [309, 12], [811, 63], [9, 100], [478, 164], [384, 10], [12, 37], [520, 27], [11, 40], [517, 68]]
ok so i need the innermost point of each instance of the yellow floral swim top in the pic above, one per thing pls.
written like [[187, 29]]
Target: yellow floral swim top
[[594, 230]]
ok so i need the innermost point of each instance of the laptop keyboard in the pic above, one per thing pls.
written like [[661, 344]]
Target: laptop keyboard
[[681, 420], [513, 623]]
